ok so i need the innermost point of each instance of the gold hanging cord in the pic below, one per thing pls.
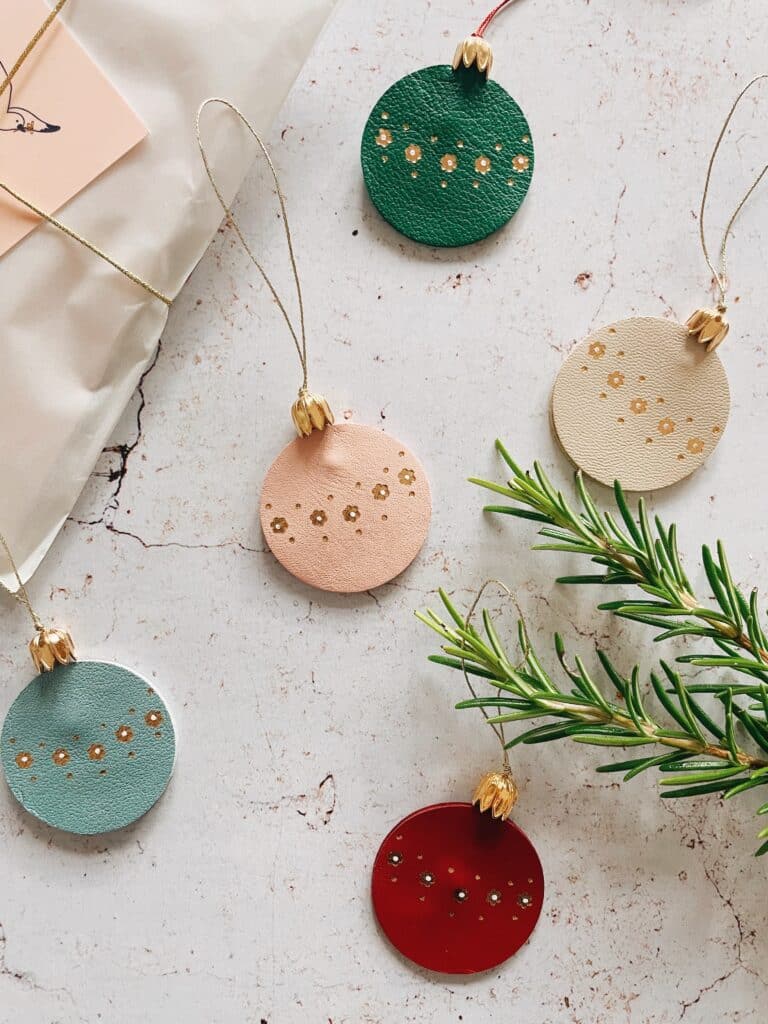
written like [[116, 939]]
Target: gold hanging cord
[[50, 646], [709, 326], [497, 791], [310, 412]]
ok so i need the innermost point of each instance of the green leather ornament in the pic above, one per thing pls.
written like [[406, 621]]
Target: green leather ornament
[[88, 748], [447, 156]]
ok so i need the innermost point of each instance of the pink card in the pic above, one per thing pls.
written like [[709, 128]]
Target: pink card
[[61, 121]]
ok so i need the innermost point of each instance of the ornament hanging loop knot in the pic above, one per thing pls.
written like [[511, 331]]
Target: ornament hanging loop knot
[[476, 52], [51, 646], [497, 792], [310, 412], [709, 326]]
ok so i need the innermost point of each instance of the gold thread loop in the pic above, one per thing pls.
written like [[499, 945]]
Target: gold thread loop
[[310, 410], [720, 274]]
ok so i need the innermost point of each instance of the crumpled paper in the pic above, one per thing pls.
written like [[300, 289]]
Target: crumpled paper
[[76, 335]]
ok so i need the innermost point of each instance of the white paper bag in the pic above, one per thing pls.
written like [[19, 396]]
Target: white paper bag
[[76, 335]]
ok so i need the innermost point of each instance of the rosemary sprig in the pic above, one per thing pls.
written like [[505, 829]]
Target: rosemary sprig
[[635, 551], [698, 754]]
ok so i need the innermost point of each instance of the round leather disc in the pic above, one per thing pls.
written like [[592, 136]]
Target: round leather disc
[[346, 509], [447, 156], [88, 748], [457, 891], [640, 402]]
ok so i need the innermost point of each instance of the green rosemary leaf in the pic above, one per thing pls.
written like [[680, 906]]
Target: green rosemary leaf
[[701, 790], [708, 775]]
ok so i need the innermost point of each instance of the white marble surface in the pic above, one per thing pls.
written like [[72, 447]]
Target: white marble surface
[[309, 724]]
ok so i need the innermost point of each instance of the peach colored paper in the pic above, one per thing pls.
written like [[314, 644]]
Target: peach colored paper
[[62, 123], [346, 509]]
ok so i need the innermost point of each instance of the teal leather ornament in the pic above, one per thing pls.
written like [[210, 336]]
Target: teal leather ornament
[[88, 747], [447, 155]]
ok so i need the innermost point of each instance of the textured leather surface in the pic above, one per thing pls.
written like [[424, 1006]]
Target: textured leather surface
[[346, 509], [640, 402], [420, 148], [88, 748], [491, 864]]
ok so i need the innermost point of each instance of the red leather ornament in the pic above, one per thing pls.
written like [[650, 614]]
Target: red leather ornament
[[455, 890]]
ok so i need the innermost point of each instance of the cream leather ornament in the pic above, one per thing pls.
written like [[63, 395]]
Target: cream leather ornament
[[344, 507], [641, 402], [645, 401]]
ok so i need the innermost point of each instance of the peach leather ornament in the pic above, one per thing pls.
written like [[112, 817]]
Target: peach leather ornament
[[344, 507]]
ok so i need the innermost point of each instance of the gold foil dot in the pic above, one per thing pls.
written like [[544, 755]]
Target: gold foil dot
[[395, 858], [359, 533], [411, 494], [406, 127], [524, 900], [384, 518], [498, 147], [414, 174], [461, 895], [494, 897], [510, 182], [153, 718], [70, 775], [433, 138], [475, 184], [96, 752], [715, 430], [291, 540], [526, 138], [483, 165], [24, 760], [443, 184], [611, 330], [131, 753], [124, 734], [325, 538], [460, 144], [103, 771], [451, 870], [427, 878], [385, 159], [60, 756]]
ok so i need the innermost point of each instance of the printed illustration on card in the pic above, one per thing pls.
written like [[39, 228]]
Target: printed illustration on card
[[62, 122]]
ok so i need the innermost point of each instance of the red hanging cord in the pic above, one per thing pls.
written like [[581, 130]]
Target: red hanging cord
[[483, 26]]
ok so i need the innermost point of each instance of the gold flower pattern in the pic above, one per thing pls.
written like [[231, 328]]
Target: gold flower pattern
[[413, 153], [97, 752], [24, 760], [60, 757], [279, 525], [406, 476], [483, 165], [384, 137], [666, 426], [124, 734], [520, 163], [616, 379], [638, 406], [597, 350], [153, 719], [449, 163], [380, 492], [695, 445], [351, 514], [318, 517]]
